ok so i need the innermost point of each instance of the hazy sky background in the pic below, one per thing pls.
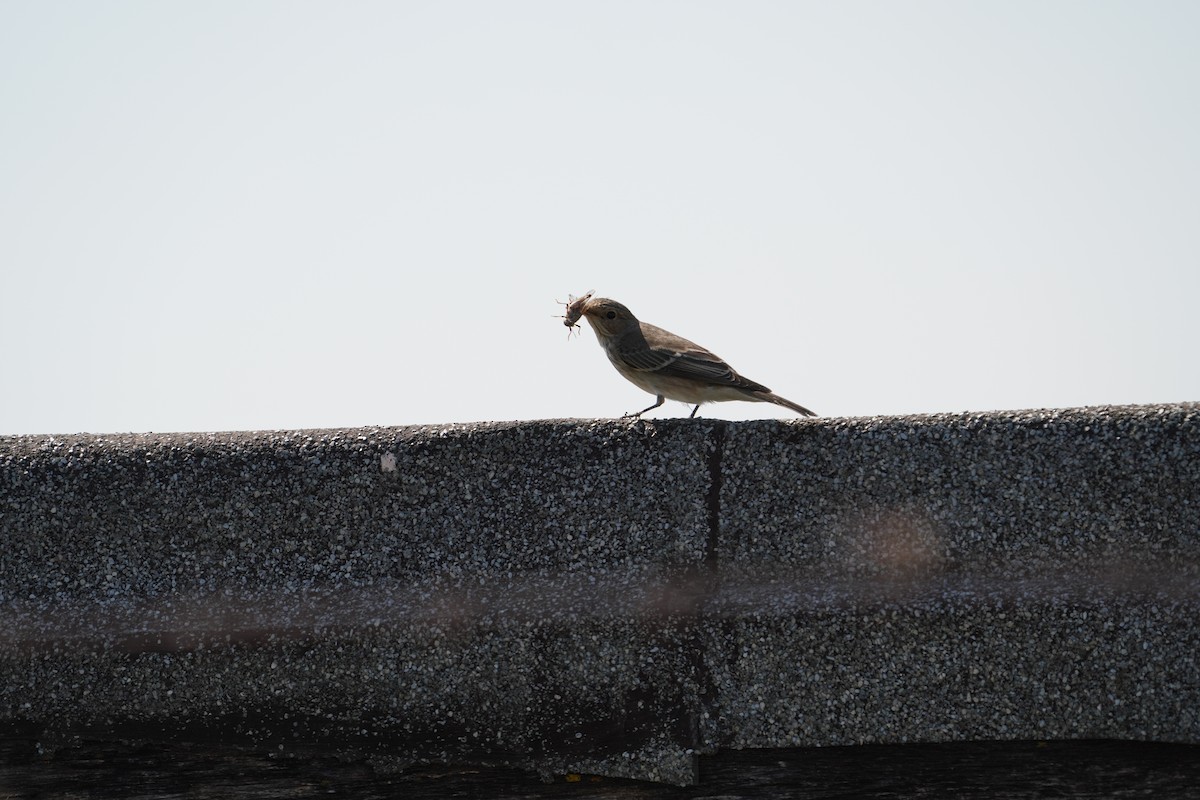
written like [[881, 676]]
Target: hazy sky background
[[241, 215]]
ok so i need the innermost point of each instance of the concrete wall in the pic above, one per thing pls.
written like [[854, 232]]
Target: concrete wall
[[609, 596]]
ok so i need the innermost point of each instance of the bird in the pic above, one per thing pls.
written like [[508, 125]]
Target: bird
[[663, 364]]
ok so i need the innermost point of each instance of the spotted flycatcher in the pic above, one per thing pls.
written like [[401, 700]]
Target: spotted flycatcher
[[663, 364]]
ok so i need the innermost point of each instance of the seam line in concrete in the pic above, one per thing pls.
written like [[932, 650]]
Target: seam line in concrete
[[714, 495]]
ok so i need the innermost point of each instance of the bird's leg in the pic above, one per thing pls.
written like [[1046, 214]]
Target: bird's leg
[[661, 400], [694, 410]]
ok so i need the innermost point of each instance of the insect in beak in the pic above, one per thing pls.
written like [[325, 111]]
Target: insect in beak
[[575, 308]]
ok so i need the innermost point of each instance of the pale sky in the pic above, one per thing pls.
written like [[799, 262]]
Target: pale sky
[[249, 215]]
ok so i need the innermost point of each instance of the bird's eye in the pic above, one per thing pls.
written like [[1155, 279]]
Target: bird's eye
[[611, 315]]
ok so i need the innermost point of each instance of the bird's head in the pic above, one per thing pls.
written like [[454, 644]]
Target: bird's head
[[608, 317]]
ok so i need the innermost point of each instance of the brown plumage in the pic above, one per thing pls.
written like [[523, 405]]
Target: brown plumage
[[663, 364]]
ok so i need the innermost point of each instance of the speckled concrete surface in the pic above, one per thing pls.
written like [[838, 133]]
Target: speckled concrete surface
[[609, 596], [1011, 492], [447, 592], [978, 576], [147, 515]]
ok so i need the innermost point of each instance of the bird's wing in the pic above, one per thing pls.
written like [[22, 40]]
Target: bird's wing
[[676, 357]]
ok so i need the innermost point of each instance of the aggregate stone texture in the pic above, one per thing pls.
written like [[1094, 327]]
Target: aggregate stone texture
[[463, 592], [611, 597], [1112, 489], [151, 515], [1013, 575]]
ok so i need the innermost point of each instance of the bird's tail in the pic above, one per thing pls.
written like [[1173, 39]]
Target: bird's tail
[[771, 397]]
